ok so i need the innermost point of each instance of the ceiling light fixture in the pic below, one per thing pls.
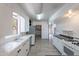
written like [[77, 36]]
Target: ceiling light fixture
[[69, 13], [14, 13], [39, 16]]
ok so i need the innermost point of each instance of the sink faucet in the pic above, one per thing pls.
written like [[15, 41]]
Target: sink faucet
[[18, 37]]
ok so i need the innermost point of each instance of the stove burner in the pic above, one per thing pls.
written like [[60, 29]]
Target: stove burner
[[75, 42]]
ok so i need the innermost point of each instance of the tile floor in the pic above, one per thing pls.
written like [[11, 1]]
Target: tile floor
[[43, 48]]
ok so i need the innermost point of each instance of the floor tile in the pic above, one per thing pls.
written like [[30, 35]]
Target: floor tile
[[43, 48]]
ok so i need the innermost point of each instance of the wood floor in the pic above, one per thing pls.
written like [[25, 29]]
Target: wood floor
[[43, 48]]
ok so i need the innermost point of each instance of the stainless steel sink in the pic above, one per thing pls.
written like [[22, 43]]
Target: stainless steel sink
[[18, 39]]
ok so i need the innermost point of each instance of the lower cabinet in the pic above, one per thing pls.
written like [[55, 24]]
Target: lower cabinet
[[26, 47], [22, 50], [59, 45], [17, 52], [33, 39]]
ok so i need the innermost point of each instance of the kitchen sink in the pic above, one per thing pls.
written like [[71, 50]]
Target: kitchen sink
[[18, 40]]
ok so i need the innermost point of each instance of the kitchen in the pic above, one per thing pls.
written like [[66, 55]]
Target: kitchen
[[32, 29]]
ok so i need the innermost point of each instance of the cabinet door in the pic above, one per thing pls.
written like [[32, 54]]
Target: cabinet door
[[58, 44], [19, 52], [27, 46], [76, 52], [23, 50], [33, 40], [16, 52], [22, 53]]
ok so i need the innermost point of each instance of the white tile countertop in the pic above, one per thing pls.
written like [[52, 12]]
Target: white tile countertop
[[7, 48]]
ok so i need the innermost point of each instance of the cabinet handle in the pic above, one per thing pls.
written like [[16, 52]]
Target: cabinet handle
[[26, 49], [24, 44], [19, 50]]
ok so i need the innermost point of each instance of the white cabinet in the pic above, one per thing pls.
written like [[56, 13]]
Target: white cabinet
[[33, 39], [16, 52], [76, 52], [26, 47], [58, 44], [22, 50]]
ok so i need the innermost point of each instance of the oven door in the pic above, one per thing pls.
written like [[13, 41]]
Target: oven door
[[68, 51]]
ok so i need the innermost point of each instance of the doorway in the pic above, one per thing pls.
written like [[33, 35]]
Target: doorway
[[38, 29]]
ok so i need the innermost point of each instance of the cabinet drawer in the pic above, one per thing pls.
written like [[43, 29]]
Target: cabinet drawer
[[16, 51], [22, 50]]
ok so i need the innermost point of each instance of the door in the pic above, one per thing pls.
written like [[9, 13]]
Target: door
[[38, 31]]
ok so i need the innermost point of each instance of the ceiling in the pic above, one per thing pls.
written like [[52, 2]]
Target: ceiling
[[47, 9]]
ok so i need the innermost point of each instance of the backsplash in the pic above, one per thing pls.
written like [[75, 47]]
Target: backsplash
[[23, 33], [69, 33], [8, 38]]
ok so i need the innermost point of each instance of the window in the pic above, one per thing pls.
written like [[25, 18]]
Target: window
[[20, 23]]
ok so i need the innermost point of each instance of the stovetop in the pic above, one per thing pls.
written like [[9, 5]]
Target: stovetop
[[74, 42], [68, 39]]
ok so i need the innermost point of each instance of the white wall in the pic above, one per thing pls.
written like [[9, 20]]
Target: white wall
[[6, 18], [27, 23], [44, 28], [69, 24]]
